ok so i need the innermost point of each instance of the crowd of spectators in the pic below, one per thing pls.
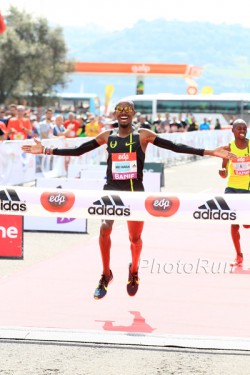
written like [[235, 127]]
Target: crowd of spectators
[[19, 123], [168, 123]]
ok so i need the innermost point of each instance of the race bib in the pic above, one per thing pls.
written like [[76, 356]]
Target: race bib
[[241, 165], [124, 166]]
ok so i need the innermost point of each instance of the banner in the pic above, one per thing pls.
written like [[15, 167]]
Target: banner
[[11, 236], [57, 224], [109, 90], [121, 205]]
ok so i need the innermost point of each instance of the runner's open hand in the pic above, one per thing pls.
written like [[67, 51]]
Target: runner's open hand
[[37, 148], [224, 153]]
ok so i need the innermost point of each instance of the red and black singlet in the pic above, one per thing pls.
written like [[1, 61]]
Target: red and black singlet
[[125, 162]]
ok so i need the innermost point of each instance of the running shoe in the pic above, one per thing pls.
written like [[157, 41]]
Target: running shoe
[[102, 287], [133, 283], [238, 260]]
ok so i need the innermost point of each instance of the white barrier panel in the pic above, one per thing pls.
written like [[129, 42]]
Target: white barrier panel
[[56, 224], [95, 177], [120, 205], [17, 167], [151, 182]]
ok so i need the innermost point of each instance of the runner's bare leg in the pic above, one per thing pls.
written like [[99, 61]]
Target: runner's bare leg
[[105, 244], [135, 230]]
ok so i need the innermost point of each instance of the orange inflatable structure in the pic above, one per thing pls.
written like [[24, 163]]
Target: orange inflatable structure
[[143, 69]]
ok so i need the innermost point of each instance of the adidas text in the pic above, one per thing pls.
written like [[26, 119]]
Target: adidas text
[[12, 206], [113, 210], [214, 215], [10, 201]]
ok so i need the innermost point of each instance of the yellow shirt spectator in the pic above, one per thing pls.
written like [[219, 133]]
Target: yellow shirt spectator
[[92, 128]]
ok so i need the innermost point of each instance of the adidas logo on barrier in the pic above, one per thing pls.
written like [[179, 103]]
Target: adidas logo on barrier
[[109, 205], [10, 201], [215, 209]]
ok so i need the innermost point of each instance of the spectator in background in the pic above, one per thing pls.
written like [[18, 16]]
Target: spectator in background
[[4, 118], [74, 125], [217, 125], [35, 127], [182, 123], [209, 120], [148, 119], [81, 130], [12, 112], [232, 119], [204, 125], [92, 127], [59, 129], [46, 125], [19, 127], [174, 125], [101, 123], [192, 126], [88, 115], [144, 124], [165, 125], [136, 119], [3, 131], [2, 115], [188, 119], [156, 125]]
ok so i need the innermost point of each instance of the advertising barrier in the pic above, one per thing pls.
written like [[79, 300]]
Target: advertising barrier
[[57, 224], [16, 167], [11, 236], [120, 205]]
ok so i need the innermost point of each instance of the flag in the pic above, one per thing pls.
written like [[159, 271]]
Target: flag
[[109, 89], [2, 24], [192, 86]]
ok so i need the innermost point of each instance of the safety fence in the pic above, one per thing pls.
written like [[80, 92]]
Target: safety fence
[[17, 168]]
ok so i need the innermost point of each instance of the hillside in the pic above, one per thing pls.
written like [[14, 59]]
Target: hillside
[[222, 50]]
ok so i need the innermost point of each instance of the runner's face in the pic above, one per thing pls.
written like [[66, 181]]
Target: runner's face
[[124, 113], [240, 131]]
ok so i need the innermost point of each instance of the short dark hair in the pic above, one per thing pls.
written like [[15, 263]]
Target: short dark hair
[[239, 121]]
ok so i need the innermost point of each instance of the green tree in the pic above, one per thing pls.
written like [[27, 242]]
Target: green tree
[[33, 59]]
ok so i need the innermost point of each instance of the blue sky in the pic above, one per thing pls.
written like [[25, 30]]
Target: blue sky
[[117, 14]]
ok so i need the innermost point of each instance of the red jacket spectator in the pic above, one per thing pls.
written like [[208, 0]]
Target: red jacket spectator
[[19, 127], [72, 121]]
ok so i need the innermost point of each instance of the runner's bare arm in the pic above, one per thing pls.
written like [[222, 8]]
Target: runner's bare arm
[[223, 172]]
